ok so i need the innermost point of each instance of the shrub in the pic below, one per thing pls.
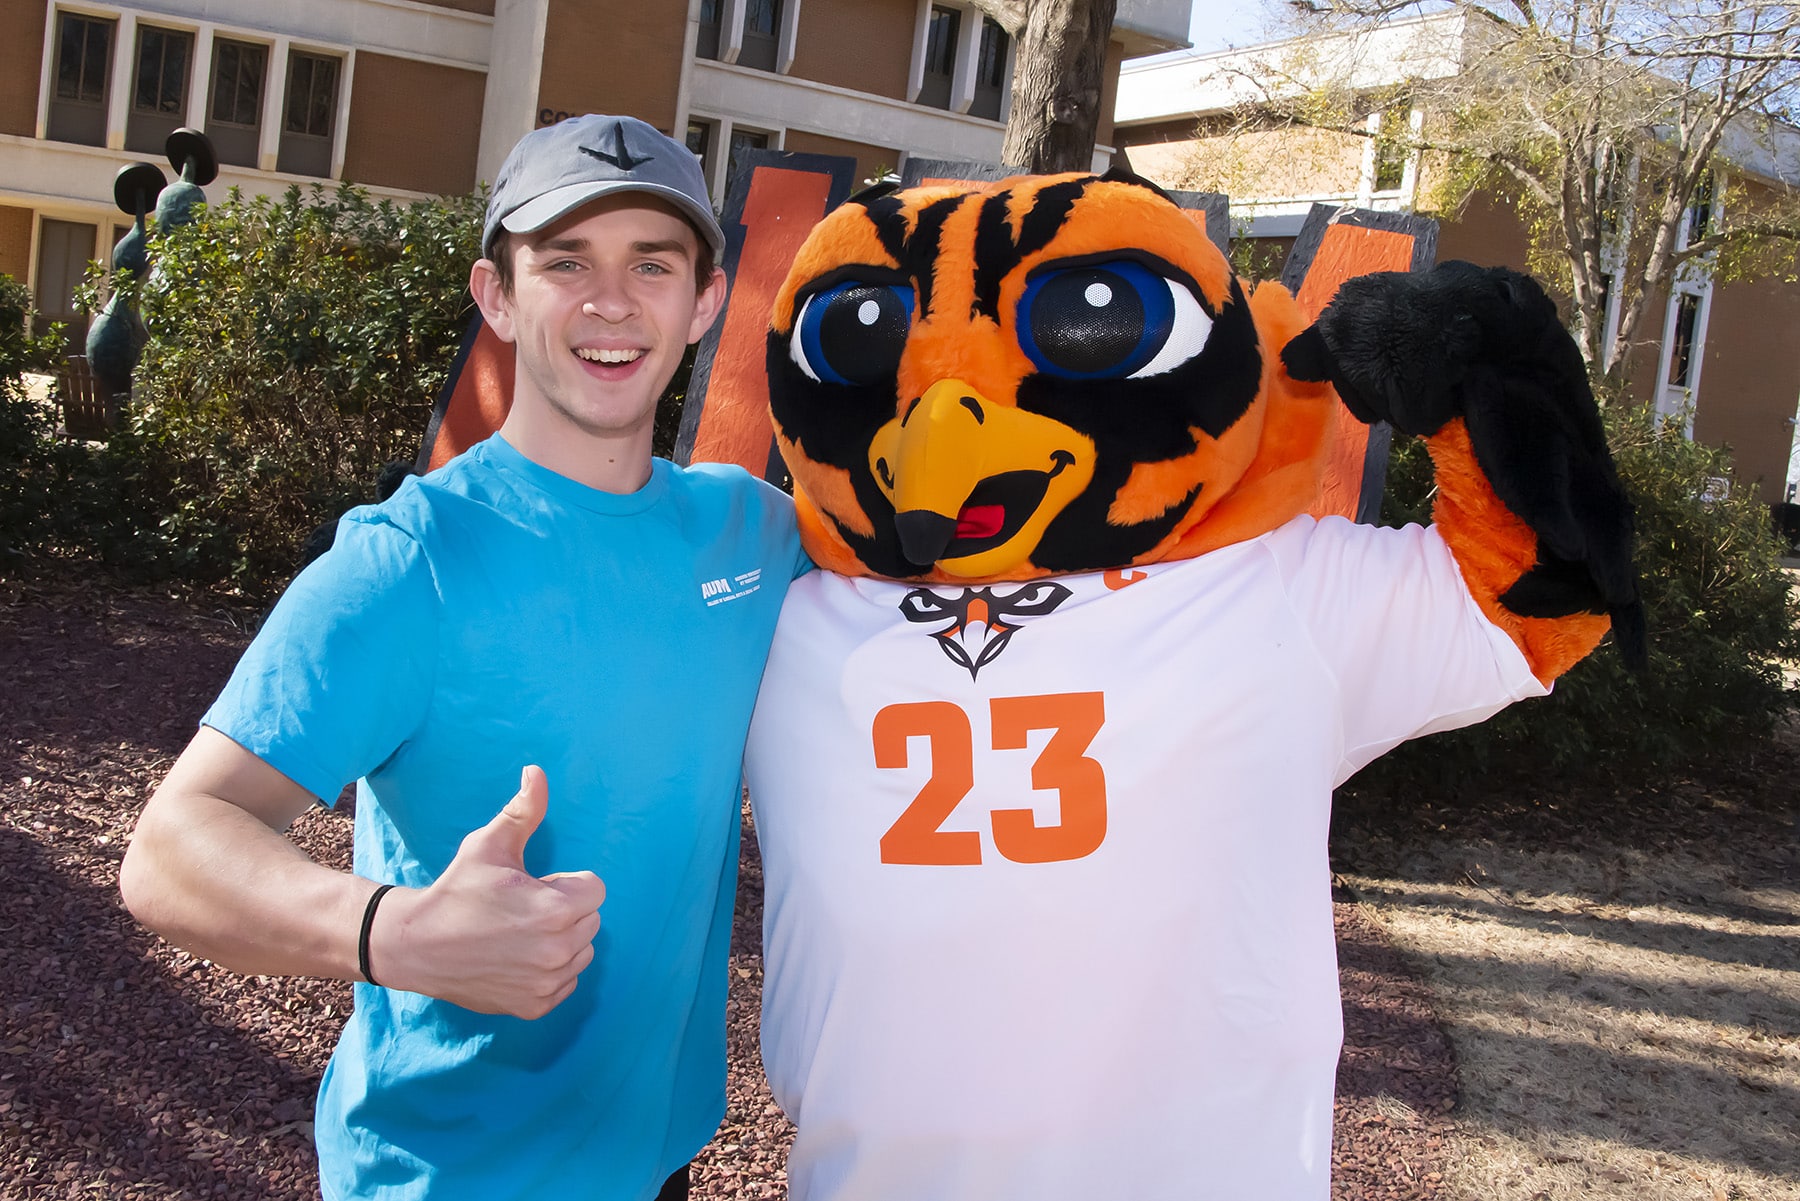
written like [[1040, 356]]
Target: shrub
[[295, 346], [32, 465], [1721, 619]]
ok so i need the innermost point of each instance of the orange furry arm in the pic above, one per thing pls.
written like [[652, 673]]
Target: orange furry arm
[[1495, 550]]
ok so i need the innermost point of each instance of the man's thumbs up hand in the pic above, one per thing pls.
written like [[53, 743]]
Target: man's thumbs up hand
[[487, 935], [505, 837]]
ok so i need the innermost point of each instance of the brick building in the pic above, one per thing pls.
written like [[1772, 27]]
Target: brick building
[[419, 97]]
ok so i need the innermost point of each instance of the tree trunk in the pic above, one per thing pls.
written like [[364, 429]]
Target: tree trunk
[[1057, 73]]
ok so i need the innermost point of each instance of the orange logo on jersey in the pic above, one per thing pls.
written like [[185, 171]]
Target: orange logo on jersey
[[980, 625]]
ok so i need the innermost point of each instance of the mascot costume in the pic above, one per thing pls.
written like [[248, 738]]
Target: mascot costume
[[1043, 760]]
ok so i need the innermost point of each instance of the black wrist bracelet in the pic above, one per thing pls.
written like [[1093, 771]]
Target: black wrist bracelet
[[362, 940]]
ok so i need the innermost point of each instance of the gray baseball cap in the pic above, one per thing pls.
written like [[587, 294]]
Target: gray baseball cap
[[555, 170]]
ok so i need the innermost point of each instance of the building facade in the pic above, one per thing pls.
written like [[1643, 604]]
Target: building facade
[[1721, 352], [417, 97]]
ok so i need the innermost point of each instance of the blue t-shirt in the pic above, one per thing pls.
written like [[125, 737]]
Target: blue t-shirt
[[491, 615]]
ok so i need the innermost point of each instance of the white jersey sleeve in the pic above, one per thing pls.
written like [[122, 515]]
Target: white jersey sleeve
[[1409, 649]]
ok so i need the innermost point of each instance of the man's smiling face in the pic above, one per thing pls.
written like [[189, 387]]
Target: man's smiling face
[[603, 304]]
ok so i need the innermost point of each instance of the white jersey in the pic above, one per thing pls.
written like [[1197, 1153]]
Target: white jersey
[[1048, 911]]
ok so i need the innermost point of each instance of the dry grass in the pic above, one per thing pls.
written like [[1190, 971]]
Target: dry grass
[[1626, 1017]]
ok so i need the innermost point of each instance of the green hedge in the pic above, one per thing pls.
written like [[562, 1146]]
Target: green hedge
[[1721, 618], [296, 345]]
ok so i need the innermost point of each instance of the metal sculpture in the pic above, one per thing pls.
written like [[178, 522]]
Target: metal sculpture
[[116, 338]]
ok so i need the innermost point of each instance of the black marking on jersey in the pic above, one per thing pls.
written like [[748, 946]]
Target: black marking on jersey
[[1032, 599]]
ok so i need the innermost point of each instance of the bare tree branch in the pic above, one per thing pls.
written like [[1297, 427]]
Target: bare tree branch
[[1605, 122], [1010, 15]]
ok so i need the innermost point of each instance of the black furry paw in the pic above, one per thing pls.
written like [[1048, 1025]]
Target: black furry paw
[[1487, 345], [1401, 347]]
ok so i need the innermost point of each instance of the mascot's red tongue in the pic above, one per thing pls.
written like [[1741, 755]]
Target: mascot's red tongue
[[980, 521]]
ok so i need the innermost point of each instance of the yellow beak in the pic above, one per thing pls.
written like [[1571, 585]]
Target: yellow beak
[[975, 483]]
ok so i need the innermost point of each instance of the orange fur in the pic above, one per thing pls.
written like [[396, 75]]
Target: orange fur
[[1153, 487], [954, 345], [822, 541], [1494, 548], [830, 490], [1283, 478]]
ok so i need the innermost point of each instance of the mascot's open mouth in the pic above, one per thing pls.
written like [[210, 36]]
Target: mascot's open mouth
[[994, 512]]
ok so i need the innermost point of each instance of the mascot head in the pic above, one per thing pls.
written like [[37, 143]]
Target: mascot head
[[1041, 375]]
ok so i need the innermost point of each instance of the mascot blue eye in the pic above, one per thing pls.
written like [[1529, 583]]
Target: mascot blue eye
[[1114, 320], [853, 333]]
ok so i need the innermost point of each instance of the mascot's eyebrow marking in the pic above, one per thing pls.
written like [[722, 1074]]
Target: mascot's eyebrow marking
[[995, 255], [996, 251], [915, 252], [1049, 213]]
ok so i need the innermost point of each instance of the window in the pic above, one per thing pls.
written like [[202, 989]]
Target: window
[[699, 139], [762, 16], [237, 82], [84, 60], [1391, 149], [990, 71], [741, 141], [162, 70], [64, 248], [1681, 340], [762, 27], [83, 67], [707, 45], [159, 93], [311, 95], [309, 117], [1699, 215], [234, 112], [940, 56], [700, 143]]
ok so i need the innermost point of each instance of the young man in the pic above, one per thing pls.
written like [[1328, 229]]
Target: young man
[[544, 614]]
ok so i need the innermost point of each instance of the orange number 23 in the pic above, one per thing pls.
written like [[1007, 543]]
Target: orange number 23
[[1073, 718]]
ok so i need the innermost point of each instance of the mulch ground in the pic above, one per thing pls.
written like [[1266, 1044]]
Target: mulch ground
[[129, 1069]]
